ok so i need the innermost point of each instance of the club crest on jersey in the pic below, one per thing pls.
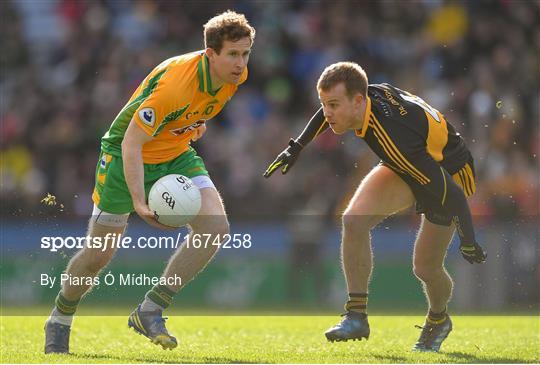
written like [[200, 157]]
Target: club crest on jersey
[[148, 116]]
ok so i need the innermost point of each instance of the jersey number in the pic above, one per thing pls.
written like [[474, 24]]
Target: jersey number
[[422, 104]]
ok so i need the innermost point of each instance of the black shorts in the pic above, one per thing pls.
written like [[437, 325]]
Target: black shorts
[[428, 204]]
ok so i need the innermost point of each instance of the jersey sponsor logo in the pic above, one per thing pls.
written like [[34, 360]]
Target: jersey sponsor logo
[[190, 114], [208, 109], [390, 97], [179, 131], [148, 116]]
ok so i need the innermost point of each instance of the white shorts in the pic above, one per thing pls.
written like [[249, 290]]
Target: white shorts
[[120, 220]]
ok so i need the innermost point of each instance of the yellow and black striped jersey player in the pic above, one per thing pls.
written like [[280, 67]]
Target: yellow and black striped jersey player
[[424, 161]]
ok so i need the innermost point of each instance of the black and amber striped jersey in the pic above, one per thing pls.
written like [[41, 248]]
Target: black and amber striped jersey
[[400, 128]]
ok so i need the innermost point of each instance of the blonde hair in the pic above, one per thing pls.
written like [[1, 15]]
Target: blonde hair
[[229, 26], [349, 73]]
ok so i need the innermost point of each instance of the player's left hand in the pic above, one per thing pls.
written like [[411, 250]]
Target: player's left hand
[[285, 159], [199, 132], [473, 253]]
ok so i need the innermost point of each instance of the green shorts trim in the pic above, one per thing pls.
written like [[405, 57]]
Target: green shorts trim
[[111, 193]]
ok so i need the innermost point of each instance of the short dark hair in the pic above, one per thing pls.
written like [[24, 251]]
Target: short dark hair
[[349, 73], [230, 26]]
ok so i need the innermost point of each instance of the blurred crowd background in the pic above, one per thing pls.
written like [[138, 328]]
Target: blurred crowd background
[[68, 67]]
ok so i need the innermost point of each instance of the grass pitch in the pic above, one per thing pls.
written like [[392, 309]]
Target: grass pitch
[[274, 339]]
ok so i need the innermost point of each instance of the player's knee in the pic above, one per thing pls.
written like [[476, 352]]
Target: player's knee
[[426, 272], [222, 228], [213, 225], [357, 222], [220, 232]]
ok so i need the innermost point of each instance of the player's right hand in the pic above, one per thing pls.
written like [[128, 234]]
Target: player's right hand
[[473, 253], [149, 217], [199, 132], [285, 159]]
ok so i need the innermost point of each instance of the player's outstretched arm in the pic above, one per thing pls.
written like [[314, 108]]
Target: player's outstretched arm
[[286, 159], [132, 144]]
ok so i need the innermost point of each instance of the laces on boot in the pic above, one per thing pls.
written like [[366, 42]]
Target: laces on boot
[[427, 331]]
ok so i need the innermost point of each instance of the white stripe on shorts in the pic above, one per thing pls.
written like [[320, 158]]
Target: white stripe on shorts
[[109, 219]]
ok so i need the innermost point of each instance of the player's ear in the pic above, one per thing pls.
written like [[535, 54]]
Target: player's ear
[[357, 99], [210, 52]]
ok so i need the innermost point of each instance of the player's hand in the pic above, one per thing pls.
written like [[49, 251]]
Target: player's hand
[[473, 253], [285, 159], [199, 132], [149, 217]]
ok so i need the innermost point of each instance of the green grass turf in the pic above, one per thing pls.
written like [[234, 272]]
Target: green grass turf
[[274, 339]]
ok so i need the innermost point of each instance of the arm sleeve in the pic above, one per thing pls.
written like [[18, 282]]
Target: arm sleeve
[[316, 125], [160, 103], [441, 185]]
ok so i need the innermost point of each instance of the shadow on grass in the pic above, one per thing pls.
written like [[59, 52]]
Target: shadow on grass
[[155, 360], [392, 358], [461, 357]]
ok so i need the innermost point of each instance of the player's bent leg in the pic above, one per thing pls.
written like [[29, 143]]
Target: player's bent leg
[[87, 263], [212, 221], [189, 260], [428, 265], [428, 262], [381, 193]]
